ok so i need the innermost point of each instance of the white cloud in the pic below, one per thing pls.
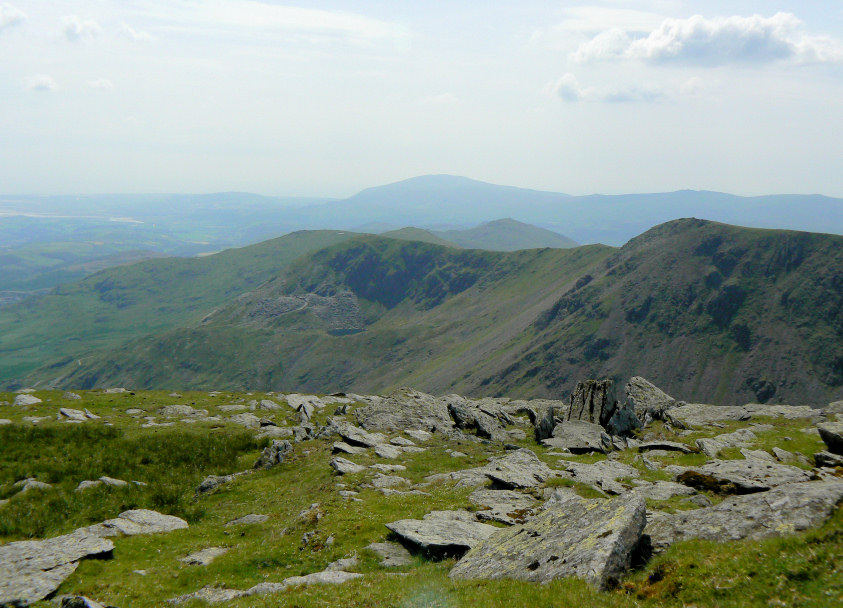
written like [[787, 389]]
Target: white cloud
[[76, 29], [136, 35], [569, 89], [10, 15], [102, 84], [42, 82], [444, 98], [714, 42]]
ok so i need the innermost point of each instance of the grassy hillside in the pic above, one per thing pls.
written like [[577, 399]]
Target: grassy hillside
[[712, 312], [506, 235], [120, 304], [418, 234]]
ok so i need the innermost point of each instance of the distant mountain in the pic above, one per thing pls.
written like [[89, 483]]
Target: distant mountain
[[418, 234], [712, 312], [506, 235]]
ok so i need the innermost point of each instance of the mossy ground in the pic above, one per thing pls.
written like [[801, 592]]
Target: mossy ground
[[799, 570]]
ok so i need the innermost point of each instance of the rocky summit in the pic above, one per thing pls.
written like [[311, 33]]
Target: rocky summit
[[617, 495]]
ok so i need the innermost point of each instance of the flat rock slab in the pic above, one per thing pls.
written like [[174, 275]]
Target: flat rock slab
[[204, 556], [506, 506], [139, 521], [671, 446], [589, 539], [602, 475], [783, 510], [386, 450], [696, 415], [250, 421], [443, 535], [25, 399], [405, 409], [32, 569], [663, 490], [344, 466], [341, 447], [519, 469], [711, 446], [248, 520], [360, 437], [392, 554], [741, 476]]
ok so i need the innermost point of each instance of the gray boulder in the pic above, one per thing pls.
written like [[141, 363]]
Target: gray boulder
[[247, 419], [274, 454], [30, 570], [203, 557], [173, 411], [391, 554], [212, 482], [741, 476], [80, 601], [356, 436], [25, 399], [573, 537], [602, 475], [711, 446], [670, 446], [697, 415], [71, 396], [543, 420], [579, 437], [832, 434], [827, 459], [248, 520], [506, 506], [786, 509], [442, 533], [518, 469], [592, 401], [72, 415], [138, 521], [663, 490], [343, 466], [647, 400], [405, 409], [345, 448]]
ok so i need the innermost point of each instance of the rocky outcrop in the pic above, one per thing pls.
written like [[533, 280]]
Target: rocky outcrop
[[392, 554], [697, 415], [506, 506], [786, 509], [520, 469], [647, 400], [573, 537], [579, 437], [30, 570], [138, 521], [405, 409], [343, 466], [442, 533], [25, 399], [741, 476], [274, 454], [832, 434]]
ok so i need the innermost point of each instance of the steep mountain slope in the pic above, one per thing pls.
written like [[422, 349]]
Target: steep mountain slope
[[711, 312], [716, 312], [128, 302], [506, 235]]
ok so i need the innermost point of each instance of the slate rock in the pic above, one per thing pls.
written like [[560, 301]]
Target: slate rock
[[248, 520], [827, 459], [506, 506], [203, 557], [345, 448], [274, 454], [602, 475], [418, 434], [832, 434], [359, 437], [697, 415], [405, 409], [442, 535], [392, 554], [670, 446], [386, 450], [592, 401], [572, 537], [343, 466], [25, 399], [247, 419], [579, 437], [518, 469], [30, 570], [648, 401], [783, 510], [741, 476], [138, 521]]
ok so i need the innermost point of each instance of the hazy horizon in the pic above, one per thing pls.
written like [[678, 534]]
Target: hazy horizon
[[611, 97]]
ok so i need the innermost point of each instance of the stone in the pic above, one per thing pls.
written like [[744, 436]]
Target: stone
[[602, 475], [343, 466], [359, 437], [462, 415], [138, 521], [327, 577], [345, 448], [212, 482], [579, 437], [4, 421], [248, 520], [79, 601], [519, 469], [25, 399], [177, 410], [31, 483], [386, 450], [505, 506], [211, 595], [783, 510], [647, 400], [402, 442], [114, 483], [388, 468], [268, 404], [71, 396], [418, 434], [592, 401], [741, 476], [247, 419], [592, 540], [343, 564], [273, 454], [296, 401], [73, 415], [758, 455], [832, 434], [388, 481], [30, 570], [133, 411], [441, 535], [827, 459], [405, 409], [663, 490], [392, 554], [712, 446], [783, 455], [274, 432], [671, 446], [543, 420], [115, 391], [87, 484], [203, 557], [233, 407], [697, 415]]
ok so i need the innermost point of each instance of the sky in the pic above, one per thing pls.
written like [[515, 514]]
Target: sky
[[326, 98]]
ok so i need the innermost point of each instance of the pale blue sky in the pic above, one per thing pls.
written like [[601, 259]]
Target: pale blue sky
[[326, 98]]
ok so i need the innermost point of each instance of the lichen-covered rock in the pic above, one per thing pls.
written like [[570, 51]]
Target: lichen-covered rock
[[573, 537], [711, 446], [442, 534], [741, 476], [343, 466], [827, 459], [592, 401], [789, 508], [356, 436], [178, 410], [32, 569], [697, 415], [25, 399], [518, 469], [602, 475], [405, 409], [670, 446], [832, 434], [391, 554], [506, 506], [138, 521], [249, 420], [212, 482]]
